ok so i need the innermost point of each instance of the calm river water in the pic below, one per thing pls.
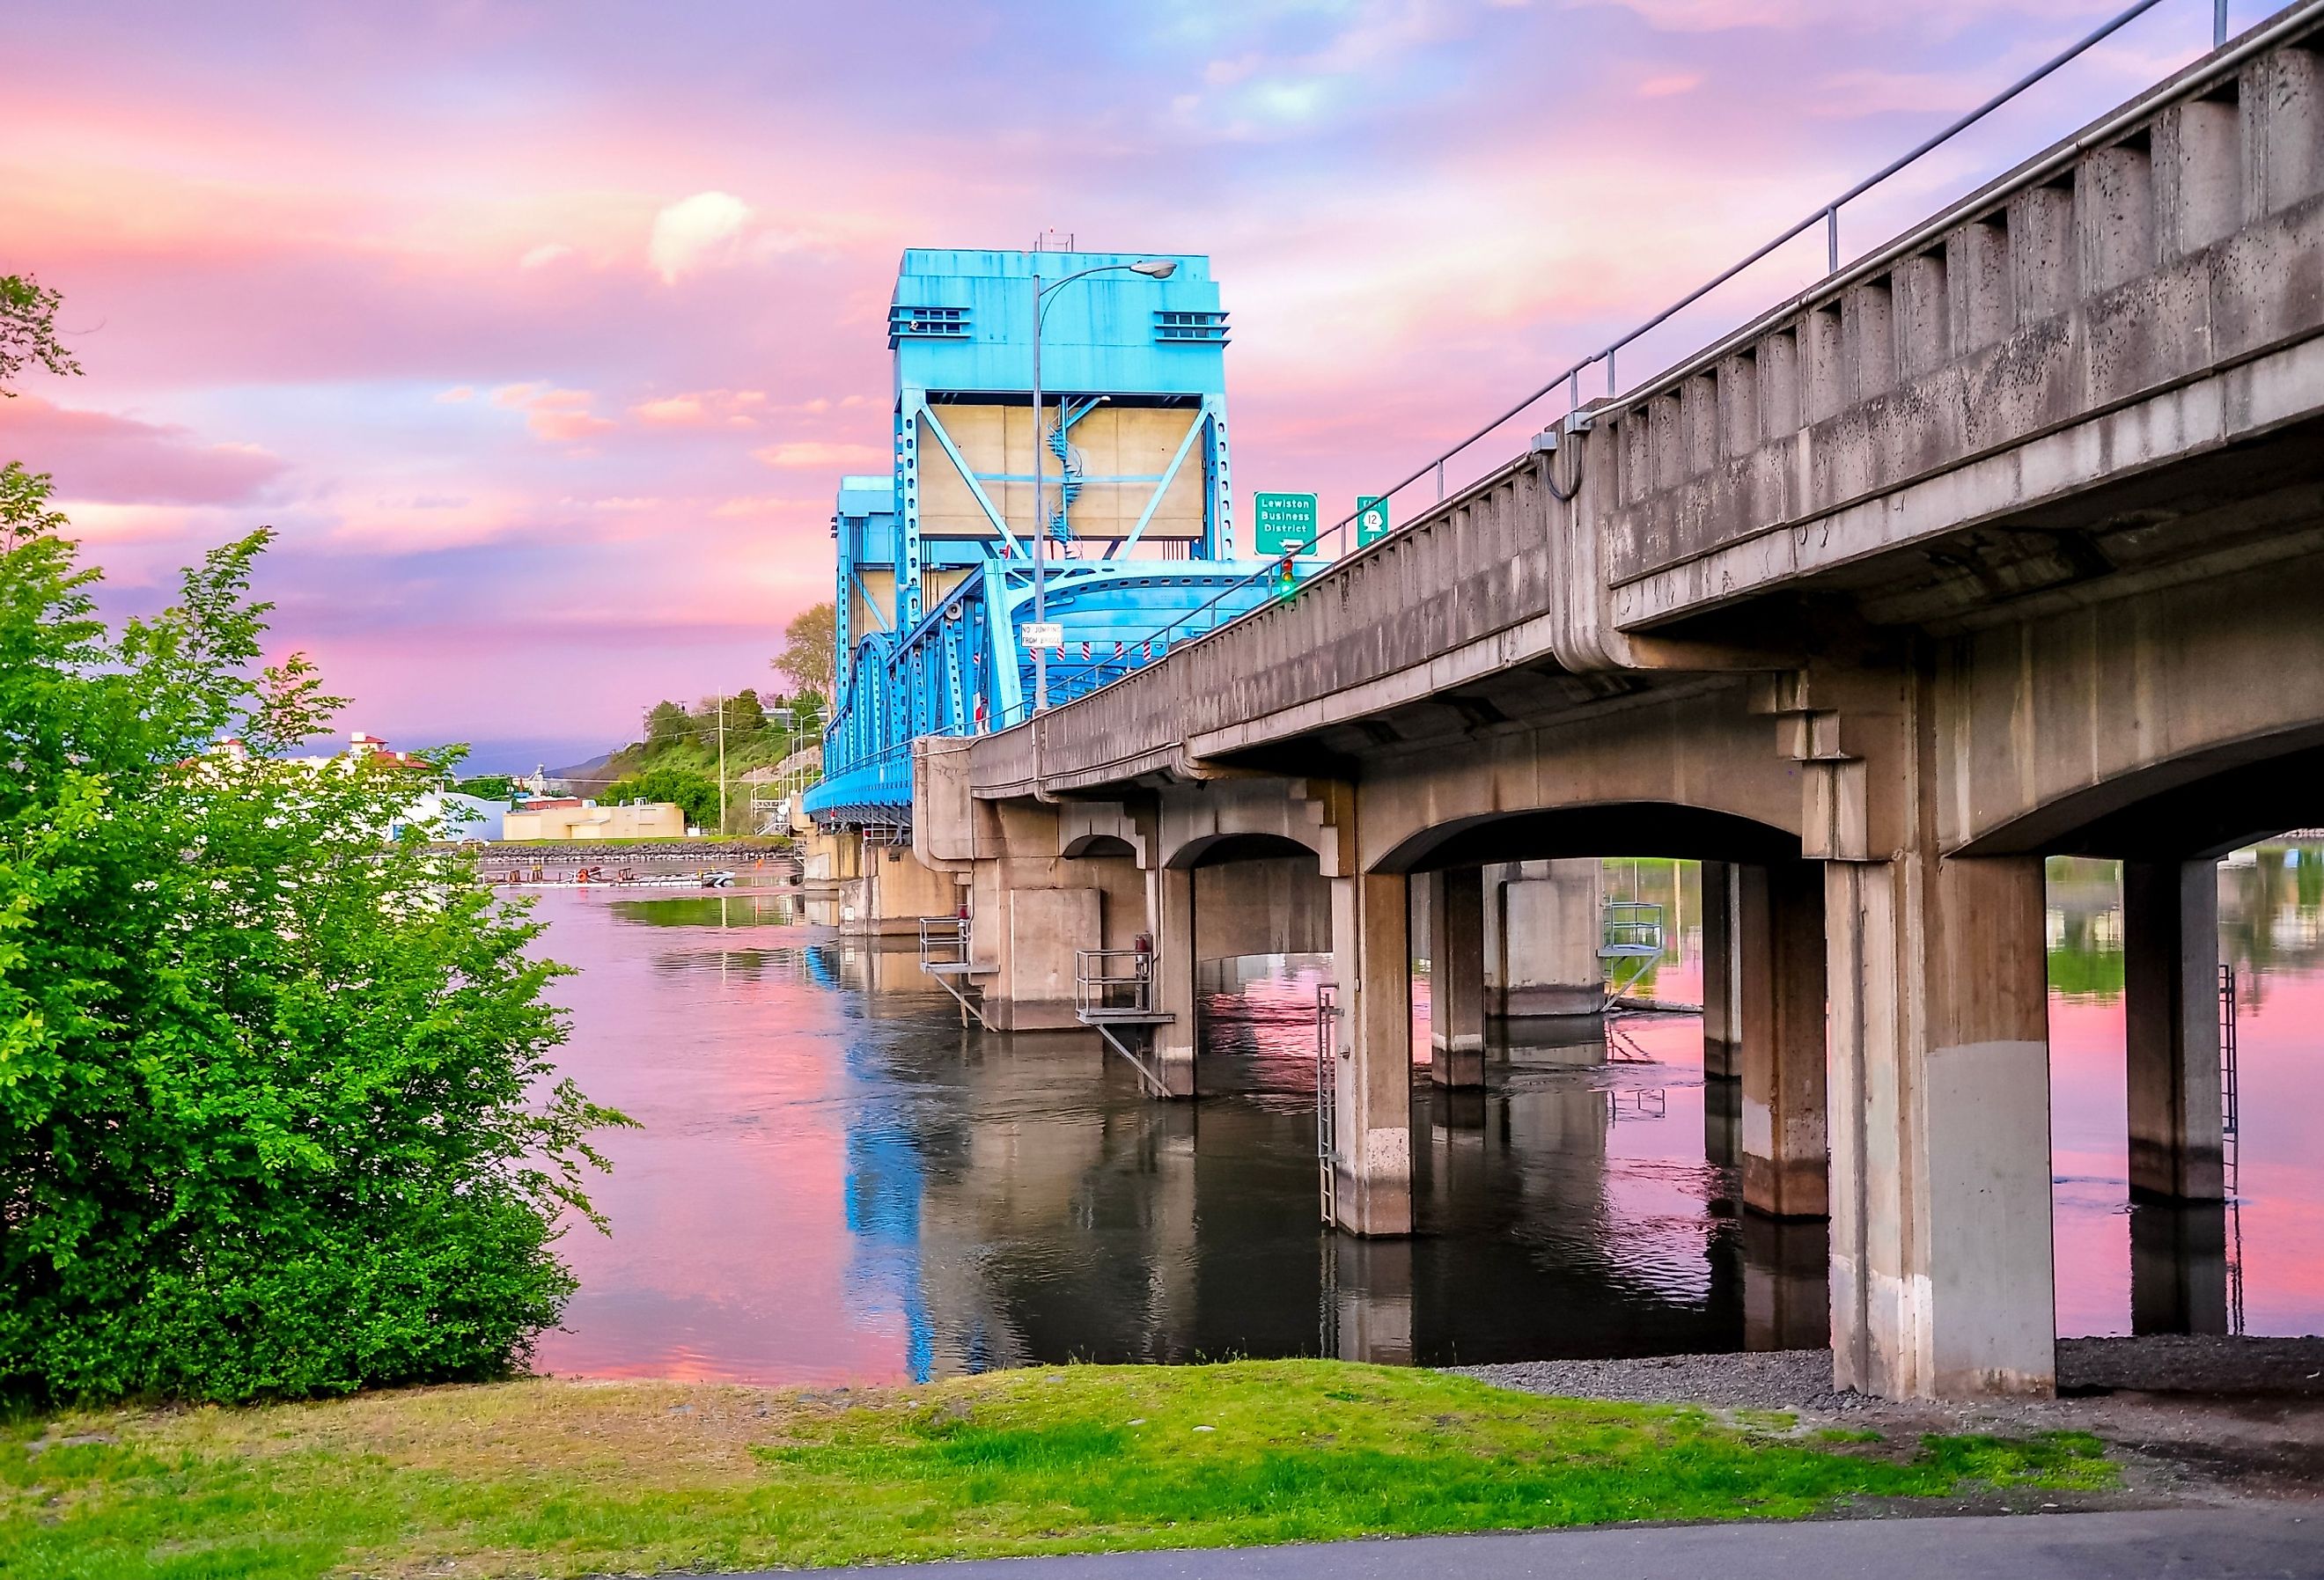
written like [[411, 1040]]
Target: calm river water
[[834, 1183]]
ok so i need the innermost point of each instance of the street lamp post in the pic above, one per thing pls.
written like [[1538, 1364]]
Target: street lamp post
[[1153, 269]]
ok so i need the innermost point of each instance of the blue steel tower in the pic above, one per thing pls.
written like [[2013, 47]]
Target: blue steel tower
[[934, 572]]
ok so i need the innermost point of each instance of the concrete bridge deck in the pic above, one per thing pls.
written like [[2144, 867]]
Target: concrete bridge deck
[[2007, 541]]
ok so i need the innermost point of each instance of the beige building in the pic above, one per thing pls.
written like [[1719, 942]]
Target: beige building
[[572, 820]]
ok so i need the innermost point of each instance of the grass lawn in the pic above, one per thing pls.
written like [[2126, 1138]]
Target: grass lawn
[[582, 1478]]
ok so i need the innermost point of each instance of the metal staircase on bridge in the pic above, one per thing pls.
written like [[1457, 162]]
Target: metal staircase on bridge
[[1113, 994], [945, 954], [1630, 941]]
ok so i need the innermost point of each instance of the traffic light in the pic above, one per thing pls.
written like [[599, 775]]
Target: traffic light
[[1286, 578]]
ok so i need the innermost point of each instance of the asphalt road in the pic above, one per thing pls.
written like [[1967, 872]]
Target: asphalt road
[[2182, 1544]]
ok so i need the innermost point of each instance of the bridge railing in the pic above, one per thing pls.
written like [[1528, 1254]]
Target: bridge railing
[[1207, 618]]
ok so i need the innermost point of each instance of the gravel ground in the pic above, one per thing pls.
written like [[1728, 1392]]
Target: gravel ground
[[1773, 1380], [2169, 1364], [2207, 1421]]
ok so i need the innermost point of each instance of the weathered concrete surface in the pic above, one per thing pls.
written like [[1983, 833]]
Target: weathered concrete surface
[[1541, 935], [2007, 541], [1457, 976]]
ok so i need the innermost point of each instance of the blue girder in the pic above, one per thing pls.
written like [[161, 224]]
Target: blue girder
[[930, 679]]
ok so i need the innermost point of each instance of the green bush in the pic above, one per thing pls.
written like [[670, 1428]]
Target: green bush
[[696, 795], [277, 1110]]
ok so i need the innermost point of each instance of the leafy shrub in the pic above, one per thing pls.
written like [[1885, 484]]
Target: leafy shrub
[[277, 1110]]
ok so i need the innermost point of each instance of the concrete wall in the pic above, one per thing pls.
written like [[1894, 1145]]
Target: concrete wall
[[1272, 905], [1541, 933]]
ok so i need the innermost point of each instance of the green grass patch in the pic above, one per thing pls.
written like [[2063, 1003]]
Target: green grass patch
[[566, 1478]]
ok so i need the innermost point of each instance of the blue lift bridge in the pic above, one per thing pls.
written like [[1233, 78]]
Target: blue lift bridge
[[936, 576]]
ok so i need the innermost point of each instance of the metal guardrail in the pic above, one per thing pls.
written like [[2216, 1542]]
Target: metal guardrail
[[1629, 930], [1825, 214], [946, 945], [1113, 984]]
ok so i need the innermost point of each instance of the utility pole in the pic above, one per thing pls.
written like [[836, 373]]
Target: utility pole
[[722, 763]]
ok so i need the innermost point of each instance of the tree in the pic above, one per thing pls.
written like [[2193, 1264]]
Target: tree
[[278, 1114], [28, 333], [667, 722], [696, 794], [808, 644], [745, 715], [489, 787]]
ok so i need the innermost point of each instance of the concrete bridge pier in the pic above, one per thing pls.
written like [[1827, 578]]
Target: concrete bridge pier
[[1722, 1095], [1541, 930], [1372, 1044], [2171, 1044], [1456, 986], [1763, 1032], [1170, 903], [1776, 957], [1940, 1183], [2170, 1012]]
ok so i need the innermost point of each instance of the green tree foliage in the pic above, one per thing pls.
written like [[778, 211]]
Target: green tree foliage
[[809, 641], [277, 1111], [489, 787], [667, 721], [745, 713], [696, 794], [28, 331]]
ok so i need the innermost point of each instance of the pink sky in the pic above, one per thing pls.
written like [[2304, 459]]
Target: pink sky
[[543, 332]]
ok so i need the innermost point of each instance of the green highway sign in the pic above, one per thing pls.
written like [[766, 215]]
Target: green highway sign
[[1371, 519], [1283, 522]]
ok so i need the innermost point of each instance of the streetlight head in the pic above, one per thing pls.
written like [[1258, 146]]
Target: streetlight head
[[1155, 268]]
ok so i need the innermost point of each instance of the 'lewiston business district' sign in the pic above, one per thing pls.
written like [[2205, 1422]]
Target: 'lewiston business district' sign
[[1283, 522]]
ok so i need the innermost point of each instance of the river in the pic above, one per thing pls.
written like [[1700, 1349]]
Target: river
[[834, 1181]]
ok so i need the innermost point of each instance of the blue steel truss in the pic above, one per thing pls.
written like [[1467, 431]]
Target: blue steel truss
[[962, 671], [933, 573]]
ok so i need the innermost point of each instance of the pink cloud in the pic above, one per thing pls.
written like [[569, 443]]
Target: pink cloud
[[1667, 86], [828, 457], [560, 416], [121, 460], [702, 409]]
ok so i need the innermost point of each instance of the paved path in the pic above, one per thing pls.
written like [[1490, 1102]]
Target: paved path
[[2179, 1543]]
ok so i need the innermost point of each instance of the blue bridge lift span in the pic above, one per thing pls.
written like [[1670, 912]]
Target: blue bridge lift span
[[934, 573]]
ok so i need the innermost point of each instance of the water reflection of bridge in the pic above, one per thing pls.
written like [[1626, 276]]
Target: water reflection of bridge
[[1113, 1228]]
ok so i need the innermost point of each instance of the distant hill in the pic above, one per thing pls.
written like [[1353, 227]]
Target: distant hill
[[594, 774]]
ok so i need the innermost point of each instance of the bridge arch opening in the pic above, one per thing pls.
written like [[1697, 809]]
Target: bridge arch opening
[[1100, 846], [1633, 993], [1259, 939], [2185, 938]]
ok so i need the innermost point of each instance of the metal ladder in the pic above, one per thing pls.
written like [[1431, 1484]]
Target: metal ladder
[[1327, 1093], [2231, 1145]]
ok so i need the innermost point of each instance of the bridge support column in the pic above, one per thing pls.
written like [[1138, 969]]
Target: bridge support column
[[2178, 1266], [1372, 1097], [2171, 1012], [1172, 907], [1777, 951], [1456, 986], [1544, 940], [1721, 989], [1940, 1254]]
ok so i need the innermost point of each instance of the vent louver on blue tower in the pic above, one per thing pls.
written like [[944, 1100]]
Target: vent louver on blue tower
[[1190, 328], [931, 323]]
